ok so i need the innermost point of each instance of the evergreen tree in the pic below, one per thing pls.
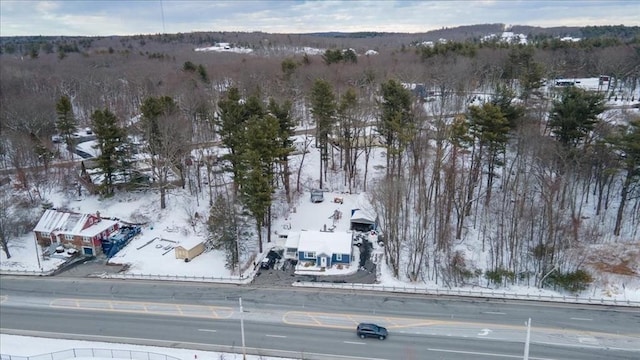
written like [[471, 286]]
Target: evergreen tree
[[503, 98], [396, 123], [574, 116], [66, 122], [263, 149], [224, 231], [491, 128], [282, 112], [109, 140], [231, 122], [323, 108]]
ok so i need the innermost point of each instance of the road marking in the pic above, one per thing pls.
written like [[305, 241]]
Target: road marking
[[354, 342], [275, 336], [494, 313], [582, 319], [485, 354], [208, 330], [185, 310], [484, 332]]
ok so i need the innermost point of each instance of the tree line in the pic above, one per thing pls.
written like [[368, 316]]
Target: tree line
[[517, 171]]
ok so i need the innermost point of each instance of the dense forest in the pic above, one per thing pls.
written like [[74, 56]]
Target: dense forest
[[479, 147]]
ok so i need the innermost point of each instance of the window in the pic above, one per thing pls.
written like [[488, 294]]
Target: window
[[310, 255], [86, 240], [338, 257], [68, 237], [44, 234]]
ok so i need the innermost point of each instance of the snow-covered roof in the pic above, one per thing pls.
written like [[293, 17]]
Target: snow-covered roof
[[362, 216], [71, 223], [325, 242], [293, 239]]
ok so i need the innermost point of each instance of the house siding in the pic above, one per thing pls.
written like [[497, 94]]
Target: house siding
[[346, 259]]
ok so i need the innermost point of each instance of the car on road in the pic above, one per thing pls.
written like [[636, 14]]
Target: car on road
[[365, 330]]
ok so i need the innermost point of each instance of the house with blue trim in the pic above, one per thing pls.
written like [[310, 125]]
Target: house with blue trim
[[324, 249]]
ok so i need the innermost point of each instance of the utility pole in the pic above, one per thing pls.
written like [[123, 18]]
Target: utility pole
[[244, 350], [526, 342]]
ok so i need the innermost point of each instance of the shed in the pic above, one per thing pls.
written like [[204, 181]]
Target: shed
[[189, 250]]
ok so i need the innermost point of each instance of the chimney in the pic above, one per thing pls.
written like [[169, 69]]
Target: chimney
[[98, 215]]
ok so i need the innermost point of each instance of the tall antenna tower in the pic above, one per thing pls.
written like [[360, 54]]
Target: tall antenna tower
[[164, 31]]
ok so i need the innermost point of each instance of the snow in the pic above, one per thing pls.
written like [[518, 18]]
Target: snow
[[183, 223], [320, 242], [16, 345], [224, 47]]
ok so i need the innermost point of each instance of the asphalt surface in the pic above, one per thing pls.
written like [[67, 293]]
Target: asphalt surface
[[312, 321]]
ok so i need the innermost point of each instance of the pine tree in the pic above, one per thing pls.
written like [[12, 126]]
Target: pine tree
[[282, 112], [396, 123], [323, 108], [263, 150], [574, 116], [109, 140], [224, 231], [66, 122], [230, 122], [489, 125]]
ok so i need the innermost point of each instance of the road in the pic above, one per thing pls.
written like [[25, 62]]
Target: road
[[306, 321]]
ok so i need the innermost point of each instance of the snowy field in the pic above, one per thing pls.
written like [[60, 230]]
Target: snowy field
[[29, 346]]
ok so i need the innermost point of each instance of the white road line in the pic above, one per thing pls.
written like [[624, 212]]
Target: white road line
[[485, 354], [354, 342], [275, 336], [494, 313], [582, 319], [208, 330]]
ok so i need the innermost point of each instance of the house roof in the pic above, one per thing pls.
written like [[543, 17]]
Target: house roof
[[70, 223], [293, 240], [325, 242], [362, 217]]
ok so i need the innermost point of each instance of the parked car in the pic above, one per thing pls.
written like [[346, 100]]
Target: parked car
[[366, 330], [317, 195], [267, 263], [271, 259]]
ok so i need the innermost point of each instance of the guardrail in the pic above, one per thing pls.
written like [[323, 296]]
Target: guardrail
[[470, 293], [93, 353], [226, 280], [27, 272]]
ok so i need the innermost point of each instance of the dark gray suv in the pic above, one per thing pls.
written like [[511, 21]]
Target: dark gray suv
[[365, 330]]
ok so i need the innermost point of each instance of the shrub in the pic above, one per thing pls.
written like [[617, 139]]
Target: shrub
[[573, 282], [500, 276]]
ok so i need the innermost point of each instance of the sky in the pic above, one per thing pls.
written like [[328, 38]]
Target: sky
[[123, 17]]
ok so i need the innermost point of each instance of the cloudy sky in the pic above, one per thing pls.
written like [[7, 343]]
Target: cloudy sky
[[124, 17]]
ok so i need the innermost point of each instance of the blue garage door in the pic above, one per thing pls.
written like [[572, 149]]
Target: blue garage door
[[88, 251]]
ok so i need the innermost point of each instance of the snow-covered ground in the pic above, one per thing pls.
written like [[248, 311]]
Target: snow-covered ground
[[183, 222], [29, 346]]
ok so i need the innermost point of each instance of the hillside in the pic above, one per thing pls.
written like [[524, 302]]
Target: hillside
[[493, 162]]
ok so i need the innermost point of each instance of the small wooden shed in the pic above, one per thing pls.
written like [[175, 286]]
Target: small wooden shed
[[189, 250]]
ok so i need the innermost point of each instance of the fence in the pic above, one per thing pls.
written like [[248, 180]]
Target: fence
[[470, 293], [27, 272], [93, 353], [226, 280]]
